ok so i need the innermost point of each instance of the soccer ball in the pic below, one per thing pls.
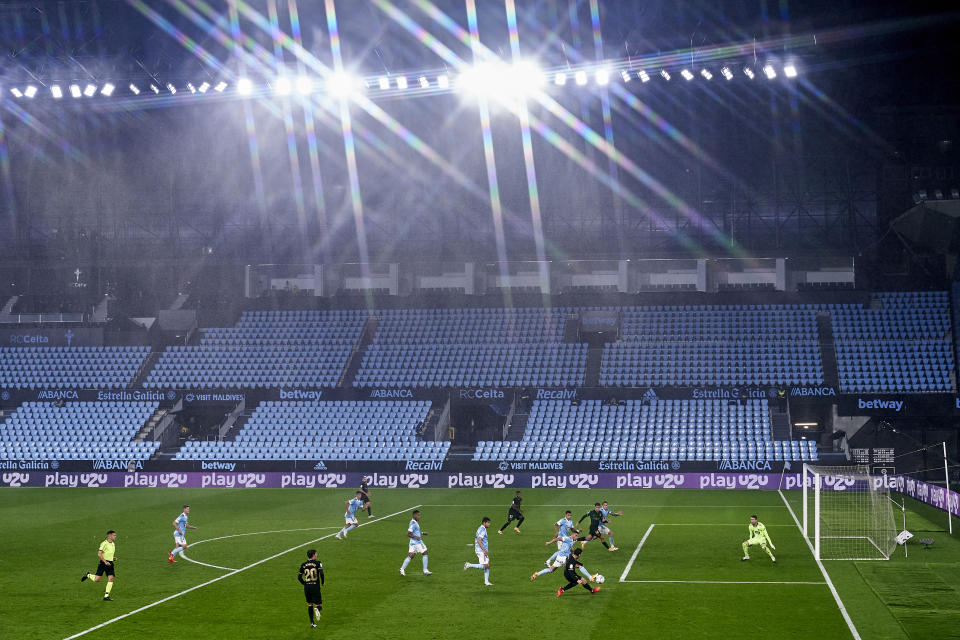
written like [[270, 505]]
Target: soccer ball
[[599, 579]]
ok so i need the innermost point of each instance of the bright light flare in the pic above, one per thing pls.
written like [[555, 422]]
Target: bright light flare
[[343, 85], [443, 81], [501, 80], [244, 86], [108, 89], [769, 71], [304, 85], [602, 77], [30, 91], [283, 86], [580, 77], [560, 79], [384, 83], [220, 86], [424, 83], [790, 71]]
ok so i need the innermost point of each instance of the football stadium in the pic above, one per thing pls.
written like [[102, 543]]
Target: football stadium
[[455, 319]]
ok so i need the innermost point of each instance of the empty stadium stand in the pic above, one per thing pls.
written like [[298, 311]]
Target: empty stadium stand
[[458, 347], [265, 349], [77, 431], [901, 344], [714, 344], [674, 430], [348, 430], [69, 367]]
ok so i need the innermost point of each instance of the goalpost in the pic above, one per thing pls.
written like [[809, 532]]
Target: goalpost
[[850, 514]]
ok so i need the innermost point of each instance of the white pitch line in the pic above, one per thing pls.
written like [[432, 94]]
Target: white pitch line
[[619, 504], [823, 570], [183, 554], [226, 575], [623, 576], [212, 566], [717, 524], [717, 582]]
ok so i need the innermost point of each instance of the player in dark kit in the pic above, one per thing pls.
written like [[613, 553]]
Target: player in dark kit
[[596, 520], [311, 577], [570, 573], [366, 495], [515, 513]]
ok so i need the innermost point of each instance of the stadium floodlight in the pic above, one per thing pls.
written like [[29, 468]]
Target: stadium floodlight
[[560, 79], [107, 89], [686, 75], [90, 90], [283, 86], [769, 71], [16, 92], [155, 89], [192, 88], [424, 83], [602, 77], [342, 84], [443, 81], [706, 74], [171, 88], [643, 75], [56, 91], [30, 91], [790, 71], [244, 86], [747, 71], [402, 82], [75, 91], [665, 74], [625, 75], [851, 517], [204, 87], [726, 73], [580, 77], [134, 89], [220, 86], [304, 85], [384, 83]]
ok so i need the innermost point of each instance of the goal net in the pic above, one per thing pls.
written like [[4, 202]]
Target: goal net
[[847, 513]]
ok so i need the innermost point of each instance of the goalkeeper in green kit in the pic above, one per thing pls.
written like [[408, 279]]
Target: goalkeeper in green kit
[[758, 535]]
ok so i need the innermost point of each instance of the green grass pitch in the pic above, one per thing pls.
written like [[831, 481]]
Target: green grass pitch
[[687, 580]]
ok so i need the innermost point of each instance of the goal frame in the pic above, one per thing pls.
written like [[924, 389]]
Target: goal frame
[[815, 485]]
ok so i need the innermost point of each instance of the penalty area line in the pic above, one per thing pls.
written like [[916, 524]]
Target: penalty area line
[[718, 582], [226, 575], [623, 576]]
